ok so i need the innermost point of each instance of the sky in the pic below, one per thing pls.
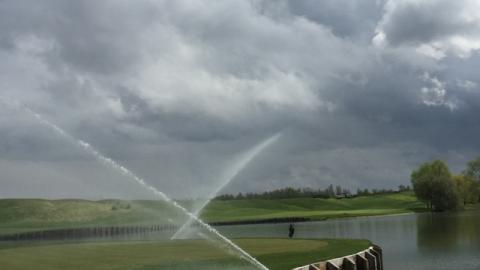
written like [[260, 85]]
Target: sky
[[361, 91]]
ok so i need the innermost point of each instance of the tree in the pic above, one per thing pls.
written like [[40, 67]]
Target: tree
[[432, 183], [473, 169], [403, 188], [330, 191], [338, 190], [466, 188]]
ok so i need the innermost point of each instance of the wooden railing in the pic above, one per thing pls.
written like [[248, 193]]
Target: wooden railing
[[369, 259]]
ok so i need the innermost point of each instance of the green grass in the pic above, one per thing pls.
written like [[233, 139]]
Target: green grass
[[304, 253], [20, 215], [181, 255], [316, 209]]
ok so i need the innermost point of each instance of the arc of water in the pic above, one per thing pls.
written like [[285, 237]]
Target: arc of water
[[229, 176], [123, 170]]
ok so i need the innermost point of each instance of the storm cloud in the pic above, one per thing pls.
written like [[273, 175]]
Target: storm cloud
[[362, 91]]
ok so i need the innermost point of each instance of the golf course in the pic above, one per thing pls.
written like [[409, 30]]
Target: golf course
[[180, 254], [33, 215], [23, 215], [313, 208]]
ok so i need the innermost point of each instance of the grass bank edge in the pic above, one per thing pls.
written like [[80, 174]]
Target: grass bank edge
[[277, 253], [22, 215]]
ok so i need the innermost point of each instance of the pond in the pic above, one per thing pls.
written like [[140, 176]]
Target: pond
[[414, 241]]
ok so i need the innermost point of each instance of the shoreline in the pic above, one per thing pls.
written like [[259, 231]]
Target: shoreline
[[305, 219]]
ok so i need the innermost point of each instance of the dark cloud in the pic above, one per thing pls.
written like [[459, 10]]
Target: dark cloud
[[86, 36], [424, 21], [355, 19], [362, 91], [435, 27]]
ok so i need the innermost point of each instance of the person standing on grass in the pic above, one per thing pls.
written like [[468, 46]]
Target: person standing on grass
[[291, 231]]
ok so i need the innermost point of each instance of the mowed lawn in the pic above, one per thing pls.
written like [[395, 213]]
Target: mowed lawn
[[317, 209], [180, 254], [22, 215]]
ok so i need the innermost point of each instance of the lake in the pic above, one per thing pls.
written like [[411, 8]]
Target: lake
[[414, 241]]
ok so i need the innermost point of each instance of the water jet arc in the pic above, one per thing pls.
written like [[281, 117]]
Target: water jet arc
[[245, 159], [126, 172]]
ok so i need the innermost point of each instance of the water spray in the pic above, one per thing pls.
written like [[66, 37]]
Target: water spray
[[245, 159], [126, 172]]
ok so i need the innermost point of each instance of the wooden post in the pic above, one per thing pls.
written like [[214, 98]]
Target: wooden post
[[331, 266], [349, 264], [379, 252], [372, 261], [362, 263]]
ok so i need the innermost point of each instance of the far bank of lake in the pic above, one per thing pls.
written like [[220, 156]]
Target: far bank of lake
[[312, 208], [410, 240], [24, 215], [418, 241]]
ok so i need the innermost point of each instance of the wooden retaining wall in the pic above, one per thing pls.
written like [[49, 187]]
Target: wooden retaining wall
[[369, 259], [91, 232], [110, 231]]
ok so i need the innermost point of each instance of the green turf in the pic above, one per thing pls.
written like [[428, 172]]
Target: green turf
[[20, 215], [317, 209], [180, 255]]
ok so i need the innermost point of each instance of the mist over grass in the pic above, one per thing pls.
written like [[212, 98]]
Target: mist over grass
[[17, 215]]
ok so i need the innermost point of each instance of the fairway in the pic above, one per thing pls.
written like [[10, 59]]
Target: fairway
[[180, 254], [23, 215], [315, 209]]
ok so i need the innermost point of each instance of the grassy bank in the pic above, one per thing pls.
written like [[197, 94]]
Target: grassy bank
[[316, 209], [20, 215], [181, 255]]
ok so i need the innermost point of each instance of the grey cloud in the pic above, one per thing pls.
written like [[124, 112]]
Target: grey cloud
[[433, 28], [175, 90], [87, 36], [425, 21], [351, 19]]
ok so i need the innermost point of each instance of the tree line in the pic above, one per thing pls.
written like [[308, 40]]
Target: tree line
[[440, 190], [290, 192]]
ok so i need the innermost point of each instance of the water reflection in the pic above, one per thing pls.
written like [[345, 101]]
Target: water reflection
[[414, 241], [448, 231]]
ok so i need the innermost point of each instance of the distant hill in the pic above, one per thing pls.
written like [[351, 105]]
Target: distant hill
[[36, 214], [19, 215], [313, 208]]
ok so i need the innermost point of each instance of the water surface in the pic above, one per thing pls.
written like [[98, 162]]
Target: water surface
[[415, 241]]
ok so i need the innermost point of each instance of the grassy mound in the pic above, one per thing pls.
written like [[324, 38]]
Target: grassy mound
[[317, 209], [181, 254], [20, 215]]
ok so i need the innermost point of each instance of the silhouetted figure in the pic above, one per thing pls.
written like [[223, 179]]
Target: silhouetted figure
[[291, 231]]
